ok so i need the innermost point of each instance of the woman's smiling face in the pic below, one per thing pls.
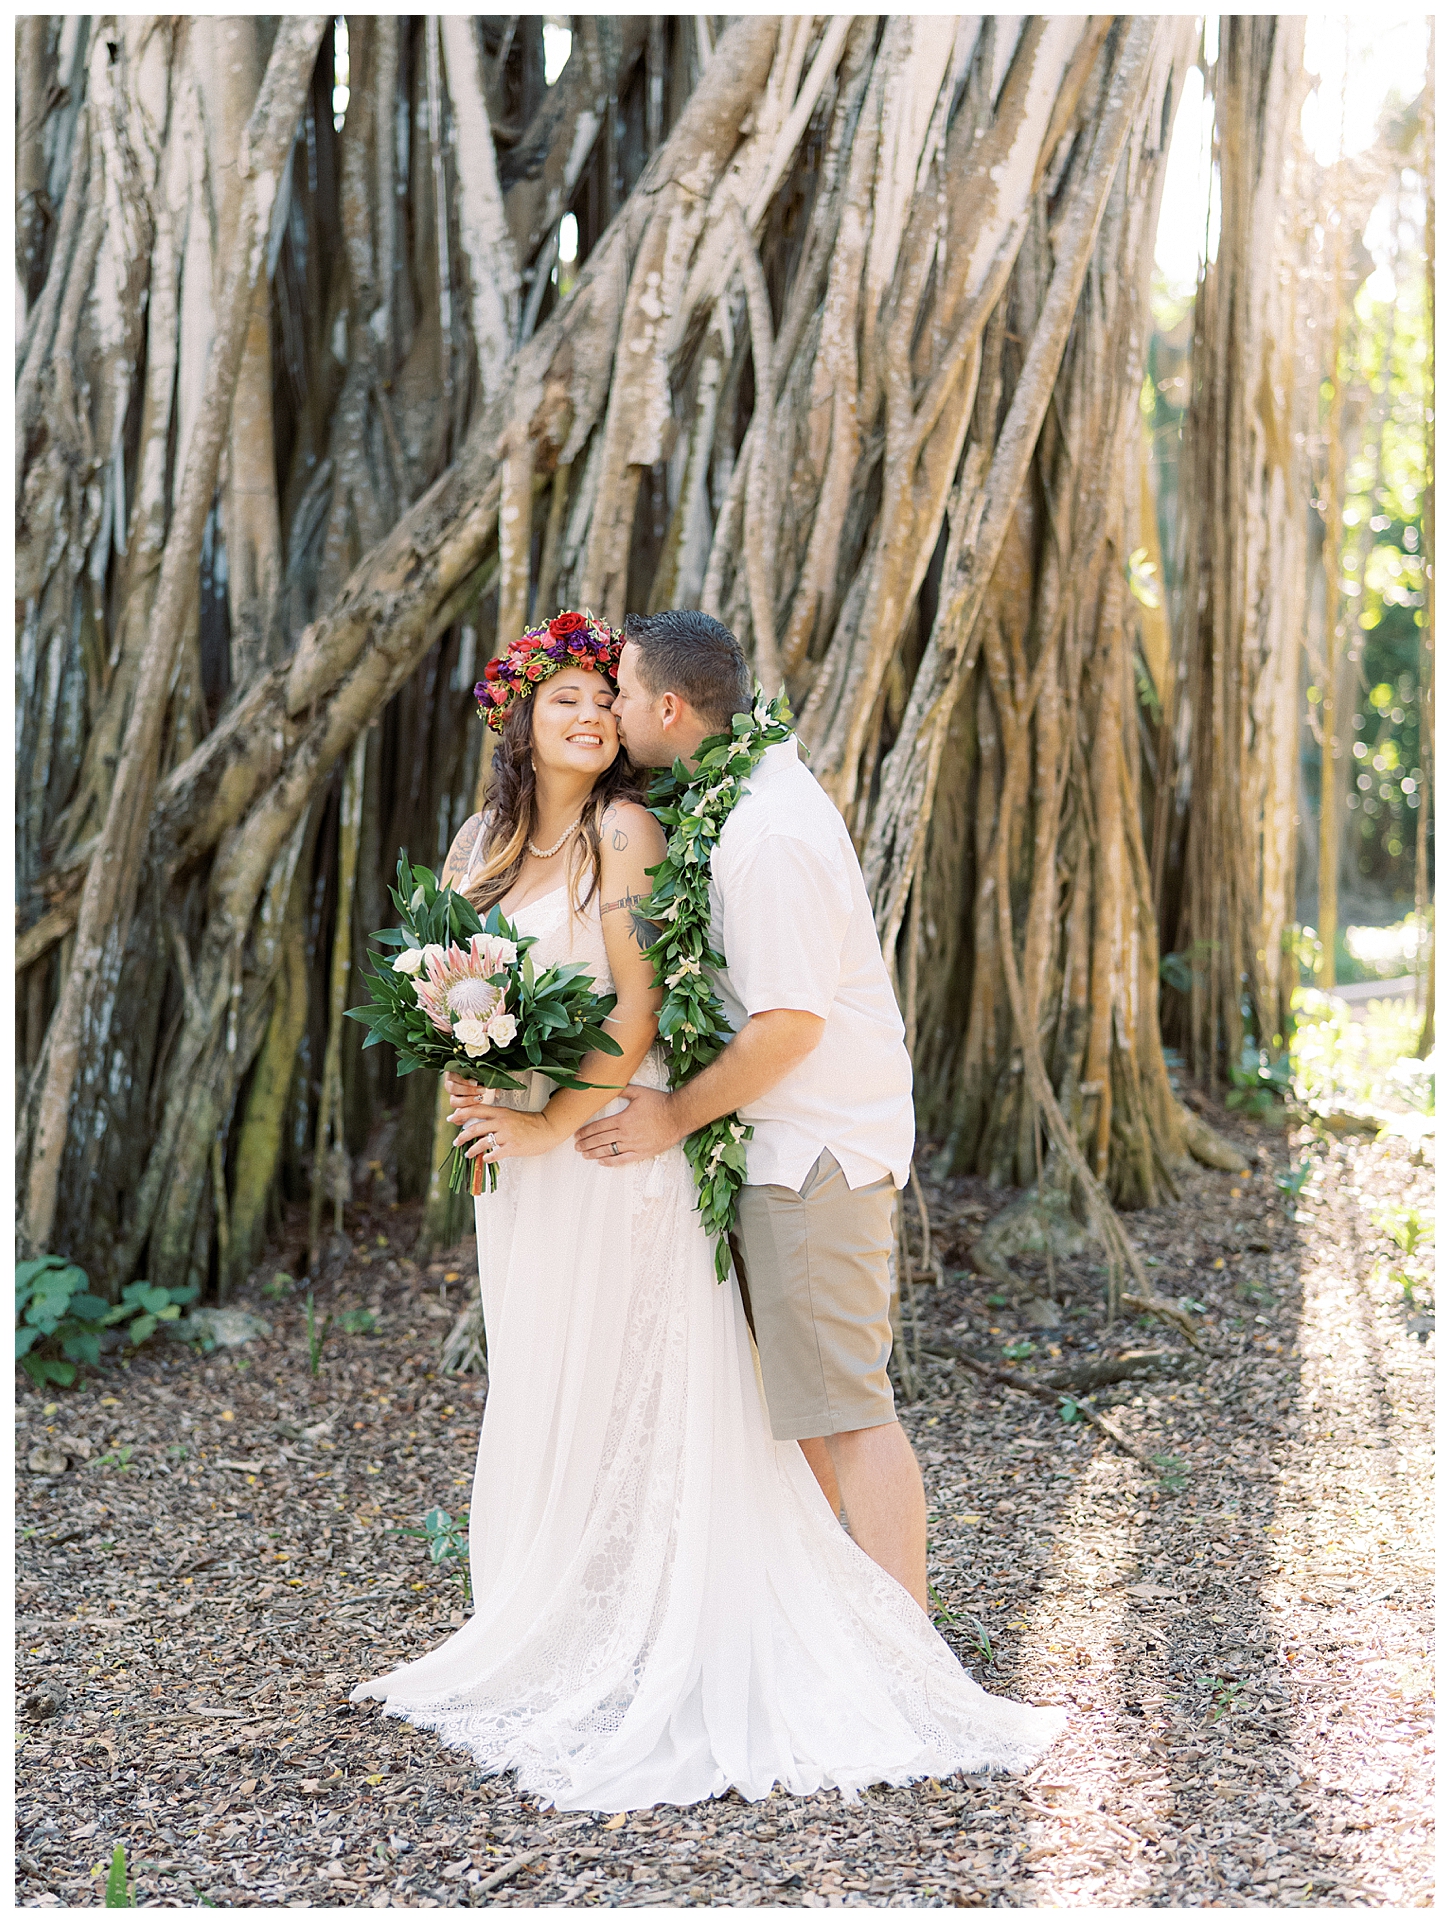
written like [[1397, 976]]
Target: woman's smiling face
[[573, 726]]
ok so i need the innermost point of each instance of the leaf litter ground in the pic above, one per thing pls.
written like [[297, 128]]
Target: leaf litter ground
[[1247, 1660]]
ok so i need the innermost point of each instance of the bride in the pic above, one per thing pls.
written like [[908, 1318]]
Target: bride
[[665, 1606]]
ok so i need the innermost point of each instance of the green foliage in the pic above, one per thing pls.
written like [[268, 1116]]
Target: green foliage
[[941, 1614], [1290, 1182], [1259, 1081], [693, 805], [315, 1336], [982, 1642], [1386, 358], [947, 1618], [148, 1306], [358, 1322], [1070, 1409], [556, 1010], [1020, 1349], [1225, 1689], [1338, 1059], [118, 1458], [59, 1321], [1406, 1226], [279, 1288], [447, 1540], [1147, 693], [1172, 1473], [1183, 968], [120, 1895]]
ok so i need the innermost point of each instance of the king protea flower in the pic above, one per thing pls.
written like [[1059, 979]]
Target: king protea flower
[[457, 984]]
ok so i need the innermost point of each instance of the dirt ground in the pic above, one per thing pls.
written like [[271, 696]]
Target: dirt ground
[[1244, 1641]]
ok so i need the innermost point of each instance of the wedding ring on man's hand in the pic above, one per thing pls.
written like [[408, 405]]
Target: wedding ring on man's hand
[[615, 1147]]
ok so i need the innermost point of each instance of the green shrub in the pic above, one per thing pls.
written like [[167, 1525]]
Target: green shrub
[[58, 1321], [1259, 1083]]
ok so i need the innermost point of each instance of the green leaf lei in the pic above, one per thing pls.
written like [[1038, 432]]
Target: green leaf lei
[[693, 804]]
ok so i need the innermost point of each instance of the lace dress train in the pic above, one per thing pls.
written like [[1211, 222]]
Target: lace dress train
[[664, 1605]]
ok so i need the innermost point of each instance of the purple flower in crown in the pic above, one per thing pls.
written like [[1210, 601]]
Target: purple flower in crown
[[570, 639]]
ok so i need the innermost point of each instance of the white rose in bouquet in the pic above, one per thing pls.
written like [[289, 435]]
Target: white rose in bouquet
[[409, 962], [502, 1028], [473, 1032], [493, 952]]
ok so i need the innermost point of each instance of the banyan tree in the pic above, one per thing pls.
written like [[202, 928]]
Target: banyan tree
[[347, 347]]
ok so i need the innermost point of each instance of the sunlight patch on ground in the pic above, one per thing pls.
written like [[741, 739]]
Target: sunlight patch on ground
[[1074, 1843]]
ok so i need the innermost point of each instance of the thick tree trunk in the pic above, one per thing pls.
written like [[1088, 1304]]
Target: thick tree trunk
[[81, 1025], [1268, 328], [1246, 558], [850, 355]]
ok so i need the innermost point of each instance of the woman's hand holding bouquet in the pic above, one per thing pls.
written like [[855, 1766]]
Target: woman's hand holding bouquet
[[460, 996]]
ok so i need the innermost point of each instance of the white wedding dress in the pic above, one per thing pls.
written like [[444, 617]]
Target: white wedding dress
[[664, 1606]]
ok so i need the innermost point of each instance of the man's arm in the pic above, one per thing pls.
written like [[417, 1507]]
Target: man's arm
[[763, 1053]]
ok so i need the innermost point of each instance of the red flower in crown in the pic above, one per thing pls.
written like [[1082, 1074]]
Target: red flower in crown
[[571, 639]]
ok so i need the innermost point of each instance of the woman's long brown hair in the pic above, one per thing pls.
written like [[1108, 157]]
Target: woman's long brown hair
[[509, 814]]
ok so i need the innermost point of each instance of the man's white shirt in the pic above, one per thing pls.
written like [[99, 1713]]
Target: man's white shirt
[[790, 914]]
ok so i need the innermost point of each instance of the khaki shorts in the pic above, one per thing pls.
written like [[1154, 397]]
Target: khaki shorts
[[819, 1271]]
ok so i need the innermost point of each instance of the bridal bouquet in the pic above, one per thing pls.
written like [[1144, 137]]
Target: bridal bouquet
[[461, 994]]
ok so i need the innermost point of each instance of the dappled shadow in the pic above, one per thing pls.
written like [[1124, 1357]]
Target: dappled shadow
[[1175, 1626]]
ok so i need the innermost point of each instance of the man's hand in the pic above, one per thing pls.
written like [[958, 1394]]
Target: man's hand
[[643, 1130]]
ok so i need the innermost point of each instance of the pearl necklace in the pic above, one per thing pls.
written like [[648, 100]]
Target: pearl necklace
[[543, 854]]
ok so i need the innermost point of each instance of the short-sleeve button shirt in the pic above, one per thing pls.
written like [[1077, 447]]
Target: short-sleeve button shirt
[[790, 914]]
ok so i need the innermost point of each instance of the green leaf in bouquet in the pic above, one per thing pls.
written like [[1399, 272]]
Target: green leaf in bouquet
[[597, 1040], [485, 1076]]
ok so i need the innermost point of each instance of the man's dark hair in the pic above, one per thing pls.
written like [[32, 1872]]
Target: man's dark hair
[[684, 652]]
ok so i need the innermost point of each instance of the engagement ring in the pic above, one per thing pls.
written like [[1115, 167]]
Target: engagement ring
[[490, 1143]]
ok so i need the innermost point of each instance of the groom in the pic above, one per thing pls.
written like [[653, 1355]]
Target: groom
[[817, 1065]]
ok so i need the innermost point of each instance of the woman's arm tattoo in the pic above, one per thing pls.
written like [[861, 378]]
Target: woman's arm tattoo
[[644, 932], [455, 865]]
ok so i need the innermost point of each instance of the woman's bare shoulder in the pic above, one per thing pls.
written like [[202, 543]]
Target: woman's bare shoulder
[[455, 865], [627, 825]]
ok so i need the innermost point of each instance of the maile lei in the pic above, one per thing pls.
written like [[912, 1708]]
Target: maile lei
[[694, 804]]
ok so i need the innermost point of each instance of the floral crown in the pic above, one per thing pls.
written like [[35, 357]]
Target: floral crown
[[570, 640]]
